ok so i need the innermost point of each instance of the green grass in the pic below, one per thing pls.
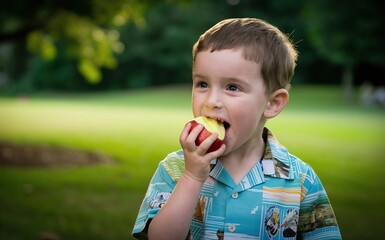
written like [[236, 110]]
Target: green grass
[[343, 143]]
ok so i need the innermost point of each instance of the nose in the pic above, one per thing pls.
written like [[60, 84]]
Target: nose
[[214, 99]]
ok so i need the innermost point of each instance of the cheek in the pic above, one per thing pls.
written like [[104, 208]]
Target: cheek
[[250, 116], [196, 106]]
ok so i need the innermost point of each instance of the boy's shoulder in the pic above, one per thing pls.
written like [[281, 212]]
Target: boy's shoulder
[[279, 162], [174, 164]]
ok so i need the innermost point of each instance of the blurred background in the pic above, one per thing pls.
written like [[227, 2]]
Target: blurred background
[[94, 93]]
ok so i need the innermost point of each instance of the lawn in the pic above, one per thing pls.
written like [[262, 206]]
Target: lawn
[[343, 143]]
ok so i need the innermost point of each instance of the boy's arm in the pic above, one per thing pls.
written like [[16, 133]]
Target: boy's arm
[[174, 218], [316, 217]]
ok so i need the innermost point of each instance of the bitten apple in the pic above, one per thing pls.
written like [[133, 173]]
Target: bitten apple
[[210, 126]]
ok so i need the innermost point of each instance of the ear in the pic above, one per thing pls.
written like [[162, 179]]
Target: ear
[[276, 102]]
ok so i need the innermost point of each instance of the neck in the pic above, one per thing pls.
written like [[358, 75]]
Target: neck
[[239, 162]]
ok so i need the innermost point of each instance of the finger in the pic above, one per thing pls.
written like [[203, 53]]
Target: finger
[[205, 145], [192, 136], [188, 137], [217, 153], [185, 132]]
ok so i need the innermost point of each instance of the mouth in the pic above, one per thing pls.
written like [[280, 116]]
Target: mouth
[[225, 124]]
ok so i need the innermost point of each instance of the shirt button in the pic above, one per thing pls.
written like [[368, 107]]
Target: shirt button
[[232, 228], [234, 195]]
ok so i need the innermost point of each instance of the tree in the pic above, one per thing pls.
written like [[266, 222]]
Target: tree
[[160, 53], [88, 28], [347, 33]]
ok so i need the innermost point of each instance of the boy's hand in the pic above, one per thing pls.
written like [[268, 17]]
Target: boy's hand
[[197, 162]]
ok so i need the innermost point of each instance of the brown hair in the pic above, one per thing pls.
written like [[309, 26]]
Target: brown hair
[[261, 42]]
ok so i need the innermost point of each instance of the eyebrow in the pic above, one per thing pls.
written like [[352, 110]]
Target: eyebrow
[[232, 79], [227, 79], [197, 76]]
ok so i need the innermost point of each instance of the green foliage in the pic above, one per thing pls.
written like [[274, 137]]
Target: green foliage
[[42, 44], [87, 27], [122, 44], [160, 53], [347, 32], [91, 44]]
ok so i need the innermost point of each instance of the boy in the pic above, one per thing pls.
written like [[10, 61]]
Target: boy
[[251, 187]]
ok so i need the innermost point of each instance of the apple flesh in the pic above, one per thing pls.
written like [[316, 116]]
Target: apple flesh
[[210, 126]]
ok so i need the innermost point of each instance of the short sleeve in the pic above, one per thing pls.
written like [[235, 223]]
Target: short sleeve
[[316, 216], [158, 192]]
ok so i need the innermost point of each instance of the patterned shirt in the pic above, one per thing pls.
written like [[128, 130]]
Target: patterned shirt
[[281, 197]]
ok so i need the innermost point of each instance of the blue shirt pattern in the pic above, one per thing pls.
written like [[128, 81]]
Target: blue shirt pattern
[[281, 197]]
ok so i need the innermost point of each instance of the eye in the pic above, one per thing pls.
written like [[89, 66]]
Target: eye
[[233, 88], [201, 84]]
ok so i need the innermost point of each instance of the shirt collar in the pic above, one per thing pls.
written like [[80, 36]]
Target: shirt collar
[[276, 159], [275, 162]]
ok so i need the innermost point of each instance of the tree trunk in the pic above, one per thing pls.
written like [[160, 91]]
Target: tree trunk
[[347, 83]]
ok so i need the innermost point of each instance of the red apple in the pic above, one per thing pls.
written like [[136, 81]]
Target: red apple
[[210, 126]]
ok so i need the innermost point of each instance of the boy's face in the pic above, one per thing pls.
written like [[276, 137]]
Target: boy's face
[[229, 88]]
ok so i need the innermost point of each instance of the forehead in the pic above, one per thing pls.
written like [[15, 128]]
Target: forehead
[[227, 62]]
